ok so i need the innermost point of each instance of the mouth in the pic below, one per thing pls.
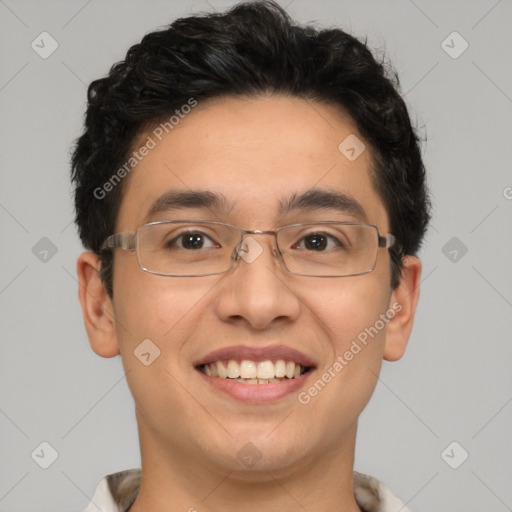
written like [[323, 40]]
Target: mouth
[[255, 374]]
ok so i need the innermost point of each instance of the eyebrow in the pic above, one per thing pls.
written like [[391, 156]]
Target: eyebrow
[[321, 199], [313, 199], [192, 199]]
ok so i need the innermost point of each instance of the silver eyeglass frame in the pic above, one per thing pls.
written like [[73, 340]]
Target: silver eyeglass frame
[[128, 242]]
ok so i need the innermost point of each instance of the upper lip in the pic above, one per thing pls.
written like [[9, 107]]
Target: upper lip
[[257, 354]]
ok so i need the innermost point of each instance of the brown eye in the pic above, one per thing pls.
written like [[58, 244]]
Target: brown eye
[[318, 242], [192, 240]]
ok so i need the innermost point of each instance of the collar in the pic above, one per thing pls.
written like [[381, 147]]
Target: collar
[[117, 492]]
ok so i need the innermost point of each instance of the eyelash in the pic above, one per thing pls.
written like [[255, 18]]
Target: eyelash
[[172, 242]]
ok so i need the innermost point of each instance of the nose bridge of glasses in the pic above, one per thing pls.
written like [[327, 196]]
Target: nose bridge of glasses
[[248, 244]]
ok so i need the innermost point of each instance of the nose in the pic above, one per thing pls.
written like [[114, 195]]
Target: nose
[[256, 292]]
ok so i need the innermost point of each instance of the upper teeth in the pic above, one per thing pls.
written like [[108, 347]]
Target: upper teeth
[[252, 370]]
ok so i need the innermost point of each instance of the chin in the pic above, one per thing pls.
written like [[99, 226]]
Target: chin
[[248, 455]]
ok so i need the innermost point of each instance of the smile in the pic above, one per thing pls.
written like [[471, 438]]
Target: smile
[[253, 372]]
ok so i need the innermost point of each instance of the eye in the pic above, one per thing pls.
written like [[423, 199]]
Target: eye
[[191, 240], [318, 242]]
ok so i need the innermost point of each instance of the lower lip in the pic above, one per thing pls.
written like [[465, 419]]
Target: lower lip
[[256, 393]]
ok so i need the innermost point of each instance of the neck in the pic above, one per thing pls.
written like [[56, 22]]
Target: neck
[[176, 479]]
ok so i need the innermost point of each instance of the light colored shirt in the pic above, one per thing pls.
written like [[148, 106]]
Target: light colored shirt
[[117, 492]]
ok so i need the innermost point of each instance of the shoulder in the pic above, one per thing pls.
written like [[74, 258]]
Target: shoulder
[[116, 492], [374, 496]]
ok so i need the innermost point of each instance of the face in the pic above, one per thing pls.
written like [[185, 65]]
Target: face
[[257, 153]]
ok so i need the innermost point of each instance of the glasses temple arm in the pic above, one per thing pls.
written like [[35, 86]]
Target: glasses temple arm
[[387, 241], [124, 241]]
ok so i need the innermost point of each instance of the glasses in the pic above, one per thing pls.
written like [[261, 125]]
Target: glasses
[[195, 248]]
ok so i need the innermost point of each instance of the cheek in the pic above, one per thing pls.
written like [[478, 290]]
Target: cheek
[[349, 305], [152, 306], [353, 312], [163, 311]]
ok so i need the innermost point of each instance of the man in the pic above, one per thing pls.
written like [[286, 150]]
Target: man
[[252, 197]]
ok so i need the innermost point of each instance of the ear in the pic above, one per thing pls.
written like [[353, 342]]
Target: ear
[[96, 305], [403, 301]]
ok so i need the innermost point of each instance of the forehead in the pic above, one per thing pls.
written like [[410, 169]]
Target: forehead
[[257, 154]]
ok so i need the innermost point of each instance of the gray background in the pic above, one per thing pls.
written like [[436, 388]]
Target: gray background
[[454, 383]]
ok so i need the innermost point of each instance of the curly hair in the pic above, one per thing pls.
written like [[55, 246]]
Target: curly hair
[[252, 49]]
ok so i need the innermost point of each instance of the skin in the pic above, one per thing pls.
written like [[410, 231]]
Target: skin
[[255, 151]]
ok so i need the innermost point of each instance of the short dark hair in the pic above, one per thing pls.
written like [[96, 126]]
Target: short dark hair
[[250, 50]]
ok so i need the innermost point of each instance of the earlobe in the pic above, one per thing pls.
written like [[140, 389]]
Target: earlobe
[[96, 306], [404, 300]]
